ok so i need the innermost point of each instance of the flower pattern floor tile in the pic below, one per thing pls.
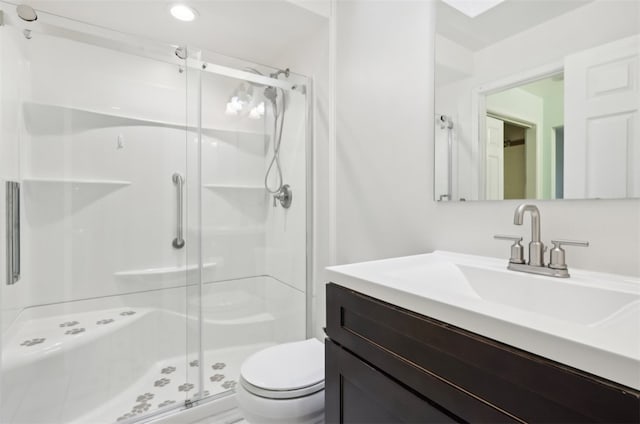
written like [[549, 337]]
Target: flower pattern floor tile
[[173, 381]]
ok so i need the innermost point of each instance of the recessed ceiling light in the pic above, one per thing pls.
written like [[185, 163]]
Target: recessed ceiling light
[[473, 8], [183, 12]]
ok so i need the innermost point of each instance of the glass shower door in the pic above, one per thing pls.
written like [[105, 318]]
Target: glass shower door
[[254, 250], [95, 328]]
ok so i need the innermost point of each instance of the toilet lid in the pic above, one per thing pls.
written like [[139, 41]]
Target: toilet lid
[[286, 367]]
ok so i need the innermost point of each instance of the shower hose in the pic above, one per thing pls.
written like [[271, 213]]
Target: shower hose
[[277, 141]]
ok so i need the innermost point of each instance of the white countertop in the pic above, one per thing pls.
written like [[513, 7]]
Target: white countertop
[[590, 321]]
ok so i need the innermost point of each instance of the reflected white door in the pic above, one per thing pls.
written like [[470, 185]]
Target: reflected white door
[[494, 159], [602, 135]]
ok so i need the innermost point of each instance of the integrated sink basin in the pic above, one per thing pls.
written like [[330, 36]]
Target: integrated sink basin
[[565, 300], [590, 321]]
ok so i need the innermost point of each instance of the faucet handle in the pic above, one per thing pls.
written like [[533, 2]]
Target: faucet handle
[[517, 251], [506, 237], [557, 256]]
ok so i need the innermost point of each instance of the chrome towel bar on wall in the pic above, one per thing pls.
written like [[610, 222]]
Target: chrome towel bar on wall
[[178, 180], [13, 231]]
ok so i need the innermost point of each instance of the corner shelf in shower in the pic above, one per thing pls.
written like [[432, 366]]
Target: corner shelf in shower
[[75, 182], [234, 187], [163, 274], [47, 119]]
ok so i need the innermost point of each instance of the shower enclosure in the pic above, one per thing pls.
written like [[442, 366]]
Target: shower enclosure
[[143, 258]]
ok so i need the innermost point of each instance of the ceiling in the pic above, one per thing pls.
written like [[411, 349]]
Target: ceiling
[[262, 31], [259, 31], [503, 21]]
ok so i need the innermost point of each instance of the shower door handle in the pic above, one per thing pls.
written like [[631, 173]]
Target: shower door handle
[[178, 180], [13, 231]]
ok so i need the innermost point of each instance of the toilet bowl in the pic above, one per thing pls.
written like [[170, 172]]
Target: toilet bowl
[[283, 384]]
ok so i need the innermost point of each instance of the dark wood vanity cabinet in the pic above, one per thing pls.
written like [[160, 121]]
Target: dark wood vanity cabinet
[[385, 364]]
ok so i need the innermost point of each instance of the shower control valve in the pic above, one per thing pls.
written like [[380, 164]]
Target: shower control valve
[[285, 196]]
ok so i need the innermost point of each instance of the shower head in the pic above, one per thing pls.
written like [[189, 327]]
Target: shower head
[[271, 93], [26, 13], [276, 74], [181, 52], [243, 97]]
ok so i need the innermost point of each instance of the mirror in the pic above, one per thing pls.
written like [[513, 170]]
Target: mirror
[[537, 100]]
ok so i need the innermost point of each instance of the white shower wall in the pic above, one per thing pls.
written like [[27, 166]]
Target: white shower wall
[[101, 132], [286, 248], [243, 233]]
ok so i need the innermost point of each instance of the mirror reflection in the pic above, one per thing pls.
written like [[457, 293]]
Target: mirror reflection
[[538, 100]]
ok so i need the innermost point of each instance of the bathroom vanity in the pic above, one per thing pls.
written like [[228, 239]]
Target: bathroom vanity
[[420, 339]]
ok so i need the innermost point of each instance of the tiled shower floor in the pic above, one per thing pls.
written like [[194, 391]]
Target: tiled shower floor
[[171, 381]]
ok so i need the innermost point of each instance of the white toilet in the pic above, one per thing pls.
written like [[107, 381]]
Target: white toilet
[[283, 384]]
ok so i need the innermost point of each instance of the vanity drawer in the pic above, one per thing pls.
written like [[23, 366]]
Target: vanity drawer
[[500, 383], [356, 392]]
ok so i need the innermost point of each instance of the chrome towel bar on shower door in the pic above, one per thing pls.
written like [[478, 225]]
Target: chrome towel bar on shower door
[[178, 180], [13, 231]]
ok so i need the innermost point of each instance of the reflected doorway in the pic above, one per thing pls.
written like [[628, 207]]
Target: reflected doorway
[[515, 161], [510, 158]]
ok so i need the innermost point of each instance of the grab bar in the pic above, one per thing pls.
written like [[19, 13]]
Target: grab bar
[[178, 242], [13, 231]]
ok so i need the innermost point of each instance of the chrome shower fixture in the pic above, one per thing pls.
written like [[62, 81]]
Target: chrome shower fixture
[[445, 122], [276, 74], [181, 52], [243, 98], [271, 93], [26, 13]]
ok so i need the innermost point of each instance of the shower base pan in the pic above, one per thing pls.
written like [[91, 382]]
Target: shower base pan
[[118, 365]]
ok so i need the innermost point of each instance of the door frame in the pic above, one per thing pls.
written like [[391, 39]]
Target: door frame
[[478, 122], [554, 160]]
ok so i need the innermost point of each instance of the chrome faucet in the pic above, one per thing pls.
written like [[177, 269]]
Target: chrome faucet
[[536, 247], [557, 266]]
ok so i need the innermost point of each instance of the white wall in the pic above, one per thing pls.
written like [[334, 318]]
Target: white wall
[[385, 202], [384, 93], [453, 61]]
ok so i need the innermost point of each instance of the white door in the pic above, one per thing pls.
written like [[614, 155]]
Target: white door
[[602, 135], [494, 159]]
